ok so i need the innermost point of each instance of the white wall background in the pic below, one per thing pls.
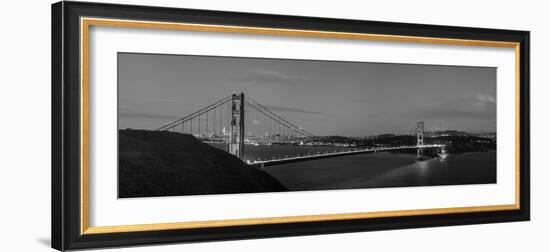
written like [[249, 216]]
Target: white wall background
[[25, 125]]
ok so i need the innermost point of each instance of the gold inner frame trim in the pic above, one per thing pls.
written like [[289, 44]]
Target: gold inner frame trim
[[86, 23], [290, 219]]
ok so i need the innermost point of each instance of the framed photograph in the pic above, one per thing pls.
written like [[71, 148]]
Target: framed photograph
[[180, 125]]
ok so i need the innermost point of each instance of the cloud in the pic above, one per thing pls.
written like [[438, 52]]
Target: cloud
[[479, 107], [275, 108], [270, 76], [486, 98]]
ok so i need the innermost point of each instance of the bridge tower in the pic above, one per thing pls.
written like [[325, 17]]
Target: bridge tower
[[236, 137], [419, 138]]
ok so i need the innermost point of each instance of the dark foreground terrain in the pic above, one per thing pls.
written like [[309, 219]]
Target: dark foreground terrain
[[155, 163]]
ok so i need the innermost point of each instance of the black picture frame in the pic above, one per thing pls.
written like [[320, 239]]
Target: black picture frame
[[66, 125]]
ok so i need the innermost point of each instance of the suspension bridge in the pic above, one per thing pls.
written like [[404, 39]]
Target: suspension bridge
[[237, 123]]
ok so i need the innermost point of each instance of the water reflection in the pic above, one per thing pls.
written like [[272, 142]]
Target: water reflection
[[386, 170], [422, 167]]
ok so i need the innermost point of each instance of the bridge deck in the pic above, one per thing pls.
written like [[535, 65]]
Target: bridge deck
[[261, 164]]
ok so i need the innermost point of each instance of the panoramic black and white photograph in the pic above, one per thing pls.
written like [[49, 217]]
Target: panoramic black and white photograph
[[201, 125]]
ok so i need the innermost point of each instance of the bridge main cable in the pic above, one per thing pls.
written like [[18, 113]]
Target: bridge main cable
[[271, 117], [194, 114], [302, 131], [279, 120]]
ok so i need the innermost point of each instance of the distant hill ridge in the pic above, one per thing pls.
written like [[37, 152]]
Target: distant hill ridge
[[160, 163]]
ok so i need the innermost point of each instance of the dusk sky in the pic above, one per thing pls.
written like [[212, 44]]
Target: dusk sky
[[323, 97]]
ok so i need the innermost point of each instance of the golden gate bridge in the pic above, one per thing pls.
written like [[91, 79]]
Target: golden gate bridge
[[238, 121]]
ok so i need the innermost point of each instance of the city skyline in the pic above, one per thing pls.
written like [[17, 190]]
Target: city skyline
[[324, 97]]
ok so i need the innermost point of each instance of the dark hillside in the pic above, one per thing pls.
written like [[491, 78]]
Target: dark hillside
[[155, 163]]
